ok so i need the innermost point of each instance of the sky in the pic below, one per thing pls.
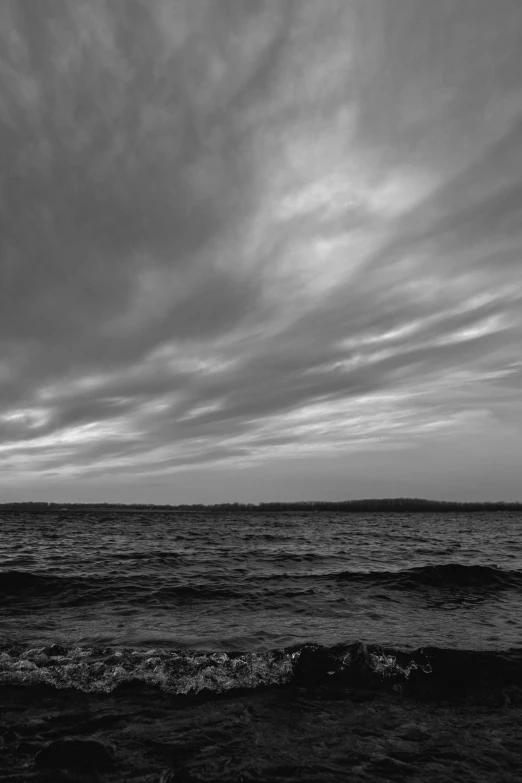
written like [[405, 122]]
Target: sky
[[260, 250]]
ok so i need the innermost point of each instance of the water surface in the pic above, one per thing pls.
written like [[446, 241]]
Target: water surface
[[262, 581]]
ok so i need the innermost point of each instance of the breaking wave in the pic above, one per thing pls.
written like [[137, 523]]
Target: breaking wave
[[185, 672]]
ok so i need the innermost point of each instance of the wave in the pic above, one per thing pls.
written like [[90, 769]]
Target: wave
[[17, 583], [299, 557], [74, 591], [28, 588], [442, 576], [186, 673], [147, 556]]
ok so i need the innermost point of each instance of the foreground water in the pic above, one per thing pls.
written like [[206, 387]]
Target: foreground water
[[261, 647]]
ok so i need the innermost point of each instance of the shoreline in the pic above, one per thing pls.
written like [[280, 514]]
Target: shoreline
[[254, 512], [360, 506]]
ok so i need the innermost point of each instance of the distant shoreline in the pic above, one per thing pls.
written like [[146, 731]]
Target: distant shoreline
[[385, 505]]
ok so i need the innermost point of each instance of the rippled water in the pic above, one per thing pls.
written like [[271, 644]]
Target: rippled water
[[257, 582]]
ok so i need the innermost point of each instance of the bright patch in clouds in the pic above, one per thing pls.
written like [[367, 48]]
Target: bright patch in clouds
[[255, 250]]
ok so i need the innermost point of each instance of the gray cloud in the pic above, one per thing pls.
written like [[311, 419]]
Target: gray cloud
[[233, 233]]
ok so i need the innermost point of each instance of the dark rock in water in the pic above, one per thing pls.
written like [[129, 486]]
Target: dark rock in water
[[55, 649], [413, 731], [79, 754], [392, 766], [169, 776], [178, 776], [404, 750]]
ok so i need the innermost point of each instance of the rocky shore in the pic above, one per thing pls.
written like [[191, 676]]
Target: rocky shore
[[277, 734]]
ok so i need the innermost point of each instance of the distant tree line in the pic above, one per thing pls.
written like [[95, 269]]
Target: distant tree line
[[371, 504]]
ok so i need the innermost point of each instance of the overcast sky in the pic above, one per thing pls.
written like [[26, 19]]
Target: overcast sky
[[260, 249]]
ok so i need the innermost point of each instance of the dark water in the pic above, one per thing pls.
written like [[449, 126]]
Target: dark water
[[189, 602]]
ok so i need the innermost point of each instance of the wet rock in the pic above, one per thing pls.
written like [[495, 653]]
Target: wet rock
[[79, 754], [178, 776], [403, 750], [392, 766], [168, 776], [413, 731], [54, 649]]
